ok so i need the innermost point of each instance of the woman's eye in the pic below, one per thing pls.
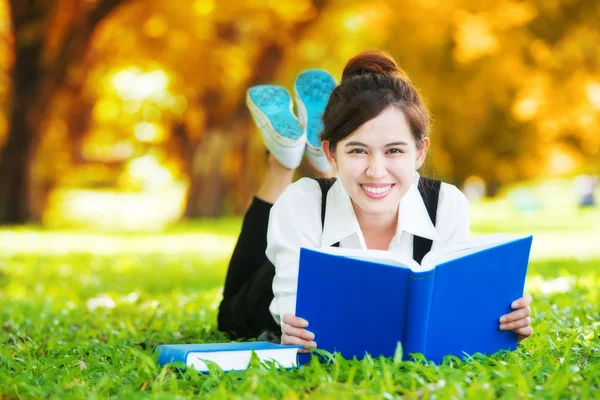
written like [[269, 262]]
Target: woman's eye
[[357, 151], [395, 151]]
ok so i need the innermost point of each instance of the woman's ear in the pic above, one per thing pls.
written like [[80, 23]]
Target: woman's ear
[[326, 147], [422, 152]]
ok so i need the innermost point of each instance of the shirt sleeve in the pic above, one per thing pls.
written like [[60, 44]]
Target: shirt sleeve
[[453, 215], [294, 222]]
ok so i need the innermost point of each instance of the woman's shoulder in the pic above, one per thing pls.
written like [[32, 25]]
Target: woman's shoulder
[[449, 192], [295, 218], [302, 190], [452, 198], [300, 197]]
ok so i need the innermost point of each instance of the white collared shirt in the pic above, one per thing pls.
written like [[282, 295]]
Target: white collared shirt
[[295, 222]]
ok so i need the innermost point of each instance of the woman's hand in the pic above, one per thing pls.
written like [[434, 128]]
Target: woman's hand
[[518, 321], [294, 331]]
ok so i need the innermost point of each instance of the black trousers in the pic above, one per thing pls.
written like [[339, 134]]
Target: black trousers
[[244, 311]]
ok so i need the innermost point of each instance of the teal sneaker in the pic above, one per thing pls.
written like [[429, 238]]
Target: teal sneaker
[[311, 91], [271, 108]]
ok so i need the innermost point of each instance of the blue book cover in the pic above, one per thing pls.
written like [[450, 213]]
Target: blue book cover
[[357, 303], [229, 356]]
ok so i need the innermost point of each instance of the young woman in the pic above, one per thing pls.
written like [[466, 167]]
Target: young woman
[[373, 138]]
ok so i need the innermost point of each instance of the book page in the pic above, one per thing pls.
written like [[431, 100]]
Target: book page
[[239, 360], [452, 252], [376, 256]]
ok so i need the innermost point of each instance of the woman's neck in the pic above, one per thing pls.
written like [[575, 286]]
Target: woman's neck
[[378, 230]]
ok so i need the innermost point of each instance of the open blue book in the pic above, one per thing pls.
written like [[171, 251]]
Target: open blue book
[[367, 301], [228, 356]]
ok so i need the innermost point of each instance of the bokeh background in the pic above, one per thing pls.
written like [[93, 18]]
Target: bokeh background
[[130, 115], [127, 157]]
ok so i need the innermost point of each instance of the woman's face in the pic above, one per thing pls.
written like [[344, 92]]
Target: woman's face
[[376, 163]]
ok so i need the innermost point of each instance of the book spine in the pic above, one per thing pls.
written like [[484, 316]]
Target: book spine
[[169, 354], [420, 295]]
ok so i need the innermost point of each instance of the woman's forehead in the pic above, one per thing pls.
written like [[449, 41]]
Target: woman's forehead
[[388, 127]]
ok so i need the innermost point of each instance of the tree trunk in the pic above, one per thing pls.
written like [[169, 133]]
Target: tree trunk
[[33, 87], [24, 123], [206, 200], [492, 188]]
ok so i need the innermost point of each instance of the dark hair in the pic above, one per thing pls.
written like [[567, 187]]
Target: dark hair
[[371, 82]]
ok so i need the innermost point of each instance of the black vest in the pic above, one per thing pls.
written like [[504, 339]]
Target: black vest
[[430, 192]]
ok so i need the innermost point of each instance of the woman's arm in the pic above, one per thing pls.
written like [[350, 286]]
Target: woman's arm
[[294, 222]]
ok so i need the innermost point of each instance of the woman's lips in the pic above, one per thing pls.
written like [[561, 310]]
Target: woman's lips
[[376, 191]]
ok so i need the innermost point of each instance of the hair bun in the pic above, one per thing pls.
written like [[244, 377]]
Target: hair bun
[[372, 62]]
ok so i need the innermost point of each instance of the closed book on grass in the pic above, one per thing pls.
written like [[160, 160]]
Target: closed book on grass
[[228, 356], [367, 301]]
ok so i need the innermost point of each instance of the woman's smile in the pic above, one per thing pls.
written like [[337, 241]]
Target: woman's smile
[[376, 190]]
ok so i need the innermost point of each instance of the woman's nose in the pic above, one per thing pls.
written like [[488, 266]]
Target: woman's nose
[[376, 168]]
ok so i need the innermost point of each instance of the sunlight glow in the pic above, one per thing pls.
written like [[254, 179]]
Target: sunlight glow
[[134, 84], [204, 7], [547, 286], [212, 247], [474, 37], [147, 173], [354, 22], [593, 93], [112, 210], [103, 301], [560, 162], [148, 132], [526, 109]]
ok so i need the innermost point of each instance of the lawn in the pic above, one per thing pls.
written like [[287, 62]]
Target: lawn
[[82, 312]]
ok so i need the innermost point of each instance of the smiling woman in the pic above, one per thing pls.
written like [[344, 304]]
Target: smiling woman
[[377, 162], [373, 136]]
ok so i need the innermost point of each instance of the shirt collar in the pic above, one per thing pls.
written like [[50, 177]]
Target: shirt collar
[[413, 214], [341, 222]]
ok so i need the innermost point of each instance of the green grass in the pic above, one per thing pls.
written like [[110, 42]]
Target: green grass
[[166, 288]]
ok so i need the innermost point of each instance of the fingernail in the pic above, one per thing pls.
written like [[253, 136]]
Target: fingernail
[[502, 319], [514, 304], [304, 322]]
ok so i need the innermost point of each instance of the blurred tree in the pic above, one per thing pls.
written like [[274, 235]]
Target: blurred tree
[[212, 52], [499, 77], [505, 80], [48, 41]]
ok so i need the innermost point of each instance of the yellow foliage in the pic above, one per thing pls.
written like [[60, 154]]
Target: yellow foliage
[[474, 37], [204, 7], [106, 110], [593, 93], [161, 77], [157, 26]]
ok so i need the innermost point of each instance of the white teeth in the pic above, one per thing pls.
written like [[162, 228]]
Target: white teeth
[[377, 190]]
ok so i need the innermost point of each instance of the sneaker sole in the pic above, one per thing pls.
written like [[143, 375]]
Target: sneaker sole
[[271, 109], [272, 105], [312, 90]]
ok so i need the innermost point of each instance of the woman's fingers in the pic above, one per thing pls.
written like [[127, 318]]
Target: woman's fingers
[[288, 339], [522, 302], [524, 332], [295, 334], [297, 322], [521, 323], [298, 332], [516, 315]]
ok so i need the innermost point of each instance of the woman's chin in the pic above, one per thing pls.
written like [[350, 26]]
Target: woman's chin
[[383, 206]]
